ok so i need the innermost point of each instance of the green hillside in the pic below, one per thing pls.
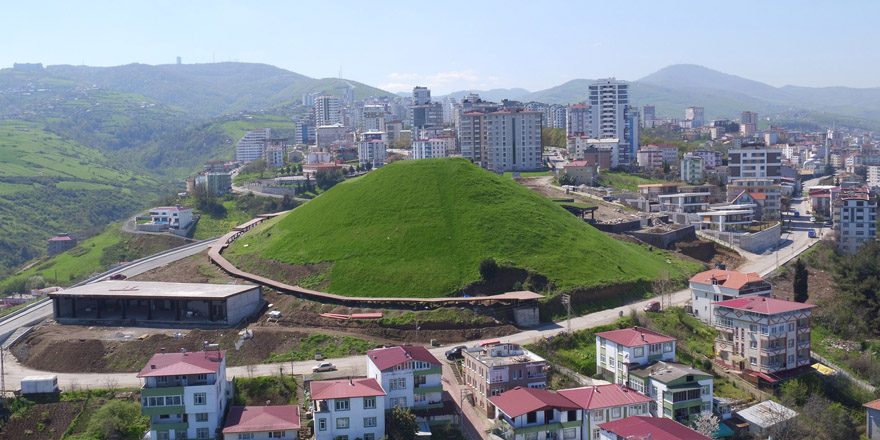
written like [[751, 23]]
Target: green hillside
[[420, 228]]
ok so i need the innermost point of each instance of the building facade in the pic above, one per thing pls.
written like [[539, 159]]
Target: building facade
[[717, 285], [855, 219], [176, 217], [755, 162], [619, 351], [762, 337], [611, 117], [429, 148], [605, 403], [493, 368], [185, 394], [514, 141], [535, 414], [692, 168], [410, 375], [577, 120], [582, 172], [327, 110], [250, 147], [262, 423], [678, 391], [61, 243], [348, 409], [372, 152]]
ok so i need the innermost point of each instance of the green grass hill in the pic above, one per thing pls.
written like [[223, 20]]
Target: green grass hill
[[420, 228]]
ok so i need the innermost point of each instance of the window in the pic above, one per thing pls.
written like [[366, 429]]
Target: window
[[753, 361], [342, 423], [532, 417], [202, 377], [200, 399], [342, 404], [791, 326], [420, 398], [497, 391], [398, 401], [753, 344], [596, 433], [667, 347], [322, 424], [705, 390], [201, 417], [202, 433], [246, 436], [639, 351], [569, 433], [615, 413], [162, 435], [398, 384], [369, 402], [277, 434], [369, 422], [369, 436], [791, 359], [753, 327], [598, 414]]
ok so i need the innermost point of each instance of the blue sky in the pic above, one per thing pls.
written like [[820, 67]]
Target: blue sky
[[455, 45]]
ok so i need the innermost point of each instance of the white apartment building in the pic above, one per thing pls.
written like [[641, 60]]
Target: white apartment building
[[348, 409], [421, 95], [695, 116], [176, 217], [764, 191], [514, 141], [536, 414], [372, 152], [763, 337], [577, 120], [686, 202], [327, 111], [317, 157], [873, 176], [605, 403], [677, 391], [748, 125], [654, 156], [250, 147], [410, 374], [611, 117], [429, 148], [618, 351], [717, 285], [185, 394], [692, 168], [327, 135], [373, 118], [755, 162], [855, 219], [711, 158], [274, 156]]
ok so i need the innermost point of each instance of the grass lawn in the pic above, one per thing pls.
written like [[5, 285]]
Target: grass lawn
[[329, 346], [208, 226], [509, 174], [577, 351], [280, 390], [625, 181], [421, 229]]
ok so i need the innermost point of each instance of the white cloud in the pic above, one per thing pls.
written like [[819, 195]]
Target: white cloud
[[440, 82]]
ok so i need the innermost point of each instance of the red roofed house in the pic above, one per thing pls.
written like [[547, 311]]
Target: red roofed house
[[619, 351], [581, 171], [410, 374], [535, 414], [61, 243], [185, 394], [720, 285], [640, 427], [493, 368], [605, 403], [262, 422], [765, 339], [351, 408], [873, 417]]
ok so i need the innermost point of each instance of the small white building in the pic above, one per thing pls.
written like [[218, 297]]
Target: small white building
[[176, 217], [536, 414], [39, 384], [185, 394], [618, 351], [692, 168], [428, 148], [766, 416], [605, 403], [348, 409], [410, 374], [262, 422], [317, 157], [721, 285]]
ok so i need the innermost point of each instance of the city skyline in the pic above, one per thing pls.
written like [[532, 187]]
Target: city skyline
[[460, 45]]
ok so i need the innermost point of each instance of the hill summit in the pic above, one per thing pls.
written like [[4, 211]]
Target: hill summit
[[420, 228]]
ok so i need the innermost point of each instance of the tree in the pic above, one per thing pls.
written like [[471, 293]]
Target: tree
[[400, 424], [566, 179], [488, 268], [857, 277], [706, 423], [800, 281], [117, 419], [794, 392], [35, 282]]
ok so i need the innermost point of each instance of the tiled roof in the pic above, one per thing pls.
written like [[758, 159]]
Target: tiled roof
[[179, 364], [519, 401], [577, 163], [636, 336], [726, 278], [385, 358], [62, 238], [261, 419], [766, 306], [604, 396], [658, 428], [758, 195], [172, 208], [343, 389], [874, 404]]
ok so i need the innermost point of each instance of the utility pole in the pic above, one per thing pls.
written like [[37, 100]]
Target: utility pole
[[2, 375], [566, 299]]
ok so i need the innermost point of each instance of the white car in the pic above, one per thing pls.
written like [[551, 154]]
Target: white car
[[323, 366]]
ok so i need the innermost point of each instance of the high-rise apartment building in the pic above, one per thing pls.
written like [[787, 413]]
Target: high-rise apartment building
[[855, 219], [612, 117], [473, 134], [755, 161], [514, 140], [695, 116], [373, 118], [251, 146], [421, 96], [649, 114], [327, 110], [577, 120], [748, 123]]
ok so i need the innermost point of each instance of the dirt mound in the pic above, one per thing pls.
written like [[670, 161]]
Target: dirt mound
[[709, 252], [48, 421], [195, 269]]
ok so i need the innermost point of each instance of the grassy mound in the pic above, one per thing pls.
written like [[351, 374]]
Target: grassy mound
[[420, 228]]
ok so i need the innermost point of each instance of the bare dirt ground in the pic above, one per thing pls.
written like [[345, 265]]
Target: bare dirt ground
[[48, 421], [820, 284], [606, 212], [195, 269]]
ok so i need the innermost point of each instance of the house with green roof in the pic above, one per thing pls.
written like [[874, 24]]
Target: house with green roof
[[677, 391]]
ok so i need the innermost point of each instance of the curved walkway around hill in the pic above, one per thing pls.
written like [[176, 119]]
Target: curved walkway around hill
[[215, 254]]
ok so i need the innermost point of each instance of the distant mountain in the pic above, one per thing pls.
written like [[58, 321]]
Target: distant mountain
[[494, 95], [571, 92], [204, 90]]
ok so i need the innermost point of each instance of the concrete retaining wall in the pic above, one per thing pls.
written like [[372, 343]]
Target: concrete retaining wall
[[665, 240], [761, 241], [526, 316]]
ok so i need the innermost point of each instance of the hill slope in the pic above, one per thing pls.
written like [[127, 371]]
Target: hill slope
[[420, 228]]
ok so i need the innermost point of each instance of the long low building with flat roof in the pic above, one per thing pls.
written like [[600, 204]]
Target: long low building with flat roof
[[131, 302]]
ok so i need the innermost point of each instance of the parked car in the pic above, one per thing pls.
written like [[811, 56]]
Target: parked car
[[829, 224], [813, 219], [653, 306], [118, 276], [812, 234], [323, 366], [797, 213], [455, 353]]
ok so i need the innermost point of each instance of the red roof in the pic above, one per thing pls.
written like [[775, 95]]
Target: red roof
[[261, 418], [179, 364], [636, 336], [758, 195], [577, 163], [604, 396], [726, 278], [385, 358], [344, 389], [765, 306], [657, 427], [62, 238], [171, 208], [874, 404], [519, 401]]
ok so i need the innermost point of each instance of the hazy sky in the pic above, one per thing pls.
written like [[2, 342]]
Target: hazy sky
[[451, 45]]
